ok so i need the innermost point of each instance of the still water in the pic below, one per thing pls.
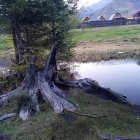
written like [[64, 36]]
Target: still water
[[122, 76]]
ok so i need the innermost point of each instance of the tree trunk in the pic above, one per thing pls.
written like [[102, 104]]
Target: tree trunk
[[19, 45]]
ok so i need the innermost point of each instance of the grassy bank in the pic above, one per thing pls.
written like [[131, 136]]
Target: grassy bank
[[95, 44], [46, 125], [5, 42], [6, 46]]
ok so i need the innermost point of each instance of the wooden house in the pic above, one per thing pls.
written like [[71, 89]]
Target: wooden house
[[137, 15], [101, 18], [116, 16], [85, 20]]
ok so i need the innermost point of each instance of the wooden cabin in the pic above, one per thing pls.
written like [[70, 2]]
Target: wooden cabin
[[85, 20], [137, 15], [101, 18], [116, 16]]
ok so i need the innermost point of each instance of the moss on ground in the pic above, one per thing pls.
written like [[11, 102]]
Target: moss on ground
[[5, 42], [47, 125]]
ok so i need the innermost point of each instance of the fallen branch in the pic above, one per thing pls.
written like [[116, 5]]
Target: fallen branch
[[5, 97], [7, 117], [86, 115], [109, 137]]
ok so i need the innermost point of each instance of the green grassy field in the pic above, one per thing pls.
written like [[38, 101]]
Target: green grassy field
[[108, 33]]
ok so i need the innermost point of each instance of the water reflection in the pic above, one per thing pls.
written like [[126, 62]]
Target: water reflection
[[121, 76], [138, 62]]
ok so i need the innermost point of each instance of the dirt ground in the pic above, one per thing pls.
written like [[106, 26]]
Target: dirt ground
[[96, 51], [6, 61]]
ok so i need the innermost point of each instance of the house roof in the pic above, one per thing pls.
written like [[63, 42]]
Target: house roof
[[101, 17], [116, 15], [86, 18], [136, 14]]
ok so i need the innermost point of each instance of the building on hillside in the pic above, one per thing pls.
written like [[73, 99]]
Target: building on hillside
[[116, 16], [137, 15], [85, 20], [101, 18]]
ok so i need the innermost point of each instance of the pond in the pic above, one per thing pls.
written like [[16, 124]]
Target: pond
[[122, 76]]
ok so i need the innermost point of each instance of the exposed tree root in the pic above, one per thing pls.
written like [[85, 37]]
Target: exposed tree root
[[45, 82], [7, 117], [5, 97], [109, 137], [24, 113], [58, 103], [85, 115], [93, 87]]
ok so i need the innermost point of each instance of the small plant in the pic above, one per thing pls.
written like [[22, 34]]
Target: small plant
[[24, 100]]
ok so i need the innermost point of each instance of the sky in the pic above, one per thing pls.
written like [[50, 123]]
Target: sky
[[86, 2]]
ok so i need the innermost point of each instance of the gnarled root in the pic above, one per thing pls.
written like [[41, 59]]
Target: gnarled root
[[109, 137], [4, 98], [7, 117], [45, 81], [92, 86], [57, 101]]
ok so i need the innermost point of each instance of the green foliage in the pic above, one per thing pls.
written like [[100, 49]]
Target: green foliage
[[24, 100], [3, 81], [18, 68], [41, 23], [5, 42]]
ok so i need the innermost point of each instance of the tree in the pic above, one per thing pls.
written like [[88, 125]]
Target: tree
[[50, 24], [20, 14], [36, 23]]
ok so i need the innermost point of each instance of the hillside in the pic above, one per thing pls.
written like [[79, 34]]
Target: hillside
[[89, 10], [125, 7]]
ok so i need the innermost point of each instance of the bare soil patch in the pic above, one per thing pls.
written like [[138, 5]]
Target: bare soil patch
[[96, 51]]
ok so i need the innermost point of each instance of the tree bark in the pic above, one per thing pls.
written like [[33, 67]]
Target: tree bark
[[19, 45], [92, 87], [109, 137]]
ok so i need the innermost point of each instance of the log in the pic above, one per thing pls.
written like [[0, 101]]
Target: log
[[93, 87]]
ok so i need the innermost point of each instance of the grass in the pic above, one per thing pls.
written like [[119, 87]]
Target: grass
[[5, 42], [6, 47], [108, 33], [47, 125]]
